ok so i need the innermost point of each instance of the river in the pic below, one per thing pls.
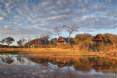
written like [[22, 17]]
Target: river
[[17, 66]]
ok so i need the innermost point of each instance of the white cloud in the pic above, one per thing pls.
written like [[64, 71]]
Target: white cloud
[[1, 18], [43, 16]]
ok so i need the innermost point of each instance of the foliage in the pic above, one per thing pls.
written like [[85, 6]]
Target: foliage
[[8, 40], [21, 42], [83, 40], [99, 42]]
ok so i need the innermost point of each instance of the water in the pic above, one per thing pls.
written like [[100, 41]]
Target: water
[[15, 60], [17, 66]]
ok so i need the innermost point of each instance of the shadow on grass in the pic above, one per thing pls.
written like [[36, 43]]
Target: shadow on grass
[[9, 52]]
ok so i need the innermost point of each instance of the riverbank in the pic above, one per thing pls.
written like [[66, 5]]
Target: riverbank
[[52, 52], [60, 53]]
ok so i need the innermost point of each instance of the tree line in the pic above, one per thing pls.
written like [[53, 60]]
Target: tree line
[[82, 41], [85, 41]]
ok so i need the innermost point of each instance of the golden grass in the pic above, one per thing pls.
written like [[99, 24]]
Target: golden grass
[[53, 51]]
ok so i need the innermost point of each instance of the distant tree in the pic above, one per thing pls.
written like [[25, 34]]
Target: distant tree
[[21, 42], [84, 41], [53, 41], [8, 40], [57, 30], [82, 37], [70, 30], [110, 39]]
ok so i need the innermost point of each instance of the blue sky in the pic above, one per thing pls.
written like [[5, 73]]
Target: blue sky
[[33, 18]]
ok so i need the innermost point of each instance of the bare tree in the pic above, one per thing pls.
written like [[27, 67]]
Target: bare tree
[[57, 30], [70, 30]]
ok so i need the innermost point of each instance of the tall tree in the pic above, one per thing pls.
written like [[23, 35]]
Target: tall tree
[[70, 30]]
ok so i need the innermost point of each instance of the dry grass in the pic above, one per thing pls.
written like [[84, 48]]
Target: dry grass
[[54, 52]]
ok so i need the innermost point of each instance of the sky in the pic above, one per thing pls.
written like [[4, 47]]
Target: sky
[[33, 18]]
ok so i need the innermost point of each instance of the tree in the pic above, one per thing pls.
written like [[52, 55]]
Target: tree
[[84, 41], [70, 30], [21, 42], [8, 40], [57, 30]]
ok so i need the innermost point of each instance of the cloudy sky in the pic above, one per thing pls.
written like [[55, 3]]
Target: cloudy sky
[[30, 18]]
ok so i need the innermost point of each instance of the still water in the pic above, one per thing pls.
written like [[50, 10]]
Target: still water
[[17, 66]]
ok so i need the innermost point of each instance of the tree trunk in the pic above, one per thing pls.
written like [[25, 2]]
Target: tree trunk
[[69, 40]]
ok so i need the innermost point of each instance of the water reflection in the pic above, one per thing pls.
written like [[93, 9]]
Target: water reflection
[[15, 60], [15, 66]]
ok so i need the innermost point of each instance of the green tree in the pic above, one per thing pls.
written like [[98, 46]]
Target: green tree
[[8, 40]]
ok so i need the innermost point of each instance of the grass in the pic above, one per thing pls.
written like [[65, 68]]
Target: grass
[[52, 52]]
